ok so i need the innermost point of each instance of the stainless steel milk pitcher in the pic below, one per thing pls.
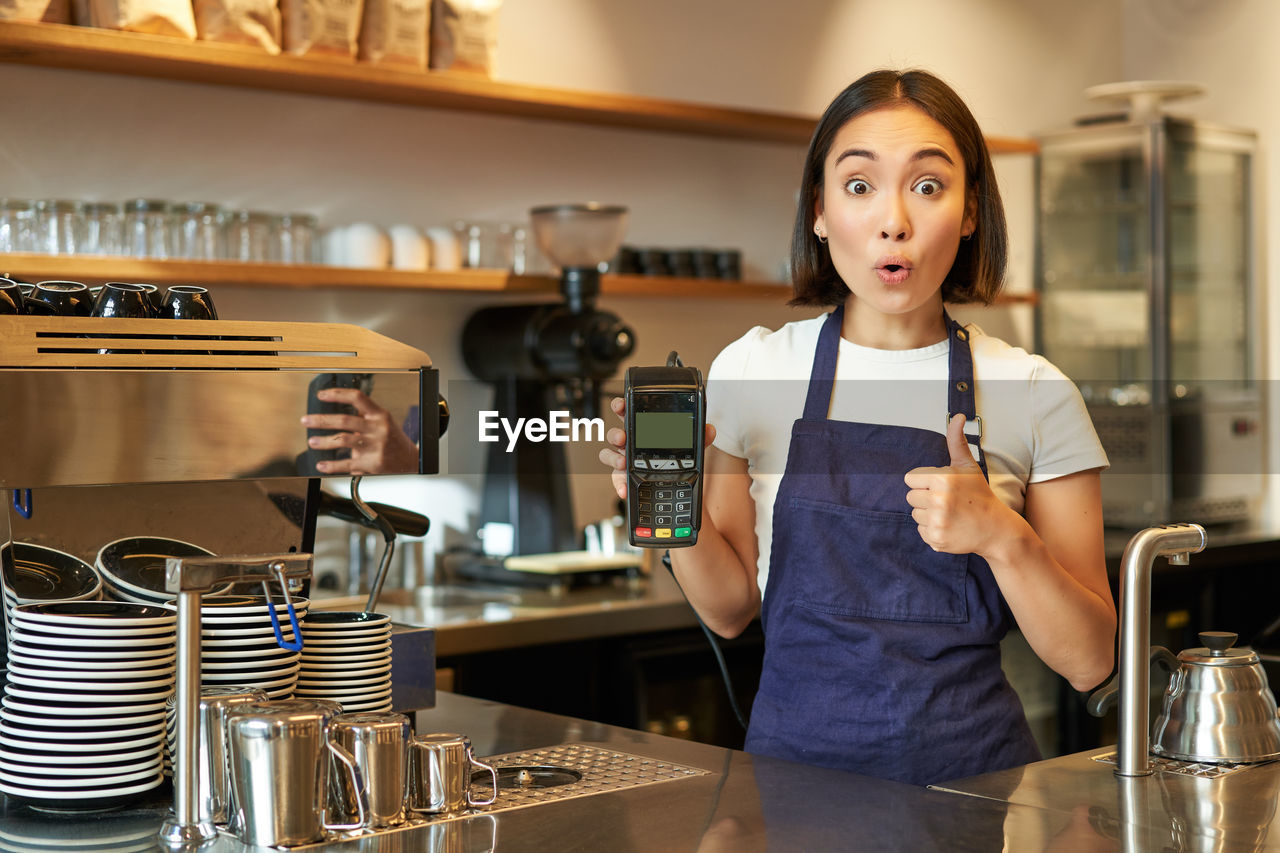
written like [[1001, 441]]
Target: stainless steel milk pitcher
[[440, 774], [280, 772]]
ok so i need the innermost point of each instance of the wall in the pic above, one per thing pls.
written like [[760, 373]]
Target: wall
[[1022, 66]]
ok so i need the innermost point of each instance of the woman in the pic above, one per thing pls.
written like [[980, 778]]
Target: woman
[[916, 518]]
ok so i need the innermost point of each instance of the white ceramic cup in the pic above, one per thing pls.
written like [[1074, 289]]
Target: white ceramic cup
[[446, 255], [368, 246], [333, 246], [409, 248]]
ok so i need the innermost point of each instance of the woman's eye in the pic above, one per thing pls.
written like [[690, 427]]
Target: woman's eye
[[857, 186], [929, 186]]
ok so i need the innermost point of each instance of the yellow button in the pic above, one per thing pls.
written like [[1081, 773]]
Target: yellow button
[[662, 533]]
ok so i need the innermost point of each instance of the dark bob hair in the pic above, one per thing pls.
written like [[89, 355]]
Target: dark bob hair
[[978, 272]]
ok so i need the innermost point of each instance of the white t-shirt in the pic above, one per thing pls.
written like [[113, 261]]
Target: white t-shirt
[[1035, 425]]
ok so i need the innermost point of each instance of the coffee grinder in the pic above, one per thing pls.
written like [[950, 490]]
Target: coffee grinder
[[541, 358]]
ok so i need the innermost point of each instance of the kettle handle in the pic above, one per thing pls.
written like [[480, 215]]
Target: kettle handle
[[1104, 697]]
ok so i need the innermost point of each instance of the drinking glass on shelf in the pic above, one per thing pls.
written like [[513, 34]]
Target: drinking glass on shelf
[[253, 236], [470, 237], [495, 245], [201, 231], [17, 225], [147, 231], [59, 227], [103, 221], [297, 238]]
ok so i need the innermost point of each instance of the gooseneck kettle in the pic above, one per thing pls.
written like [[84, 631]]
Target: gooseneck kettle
[[1218, 707]]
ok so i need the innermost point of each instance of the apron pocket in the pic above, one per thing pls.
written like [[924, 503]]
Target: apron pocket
[[871, 564]]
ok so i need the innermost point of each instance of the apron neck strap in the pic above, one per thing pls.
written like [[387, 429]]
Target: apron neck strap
[[823, 375], [960, 396]]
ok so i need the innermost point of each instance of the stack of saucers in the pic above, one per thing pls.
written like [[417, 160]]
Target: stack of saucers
[[34, 573], [238, 644], [133, 568], [346, 658], [82, 718]]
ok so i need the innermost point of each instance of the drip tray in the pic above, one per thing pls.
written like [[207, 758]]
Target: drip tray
[[530, 778], [573, 770], [1202, 770]]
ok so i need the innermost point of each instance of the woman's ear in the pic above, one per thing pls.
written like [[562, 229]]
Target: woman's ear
[[970, 223]]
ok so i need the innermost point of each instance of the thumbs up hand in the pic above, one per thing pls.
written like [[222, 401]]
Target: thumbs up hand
[[961, 454], [954, 507]]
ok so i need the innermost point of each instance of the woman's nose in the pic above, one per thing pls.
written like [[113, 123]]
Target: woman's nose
[[895, 224]]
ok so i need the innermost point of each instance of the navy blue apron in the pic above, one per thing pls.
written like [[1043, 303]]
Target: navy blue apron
[[882, 656]]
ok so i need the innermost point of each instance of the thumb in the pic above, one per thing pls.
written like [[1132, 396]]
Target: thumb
[[961, 455]]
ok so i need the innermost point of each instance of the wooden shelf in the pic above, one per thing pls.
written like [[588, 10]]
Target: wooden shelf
[[109, 51], [96, 270]]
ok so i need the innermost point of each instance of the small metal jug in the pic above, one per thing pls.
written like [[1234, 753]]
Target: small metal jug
[[440, 774]]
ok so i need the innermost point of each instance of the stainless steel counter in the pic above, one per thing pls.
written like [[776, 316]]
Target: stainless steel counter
[[747, 803], [1167, 811], [471, 618]]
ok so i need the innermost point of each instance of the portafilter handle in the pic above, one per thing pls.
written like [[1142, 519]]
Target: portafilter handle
[[190, 577]]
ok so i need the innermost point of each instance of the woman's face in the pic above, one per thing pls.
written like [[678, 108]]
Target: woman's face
[[893, 207]]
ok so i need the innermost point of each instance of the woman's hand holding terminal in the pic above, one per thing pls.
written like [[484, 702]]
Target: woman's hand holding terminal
[[718, 575]]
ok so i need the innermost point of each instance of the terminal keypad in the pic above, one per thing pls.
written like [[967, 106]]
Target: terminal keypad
[[665, 500]]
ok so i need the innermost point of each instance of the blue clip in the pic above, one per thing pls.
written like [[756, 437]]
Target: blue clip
[[296, 645], [22, 502]]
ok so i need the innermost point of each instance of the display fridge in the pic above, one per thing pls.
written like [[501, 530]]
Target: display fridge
[[1145, 267]]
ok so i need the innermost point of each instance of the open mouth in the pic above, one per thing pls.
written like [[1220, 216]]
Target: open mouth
[[893, 270]]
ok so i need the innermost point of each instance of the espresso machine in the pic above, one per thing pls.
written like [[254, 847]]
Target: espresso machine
[[191, 430], [541, 358]]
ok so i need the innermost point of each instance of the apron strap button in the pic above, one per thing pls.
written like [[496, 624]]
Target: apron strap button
[[962, 386], [962, 334]]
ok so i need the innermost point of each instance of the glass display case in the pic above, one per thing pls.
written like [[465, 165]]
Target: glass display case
[[1145, 267]]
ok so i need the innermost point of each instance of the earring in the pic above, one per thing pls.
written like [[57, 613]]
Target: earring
[[968, 236], [822, 238]]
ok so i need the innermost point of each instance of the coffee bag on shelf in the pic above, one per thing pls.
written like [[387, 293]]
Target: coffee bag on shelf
[[328, 28], [464, 35], [252, 22], [47, 11], [394, 32], [157, 17]]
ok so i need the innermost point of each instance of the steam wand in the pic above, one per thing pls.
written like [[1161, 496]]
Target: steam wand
[[388, 548]]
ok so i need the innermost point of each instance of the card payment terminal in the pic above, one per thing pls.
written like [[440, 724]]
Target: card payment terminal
[[666, 418]]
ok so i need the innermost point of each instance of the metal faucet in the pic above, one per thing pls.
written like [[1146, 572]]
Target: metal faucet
[[191, 577], [1177, 542]]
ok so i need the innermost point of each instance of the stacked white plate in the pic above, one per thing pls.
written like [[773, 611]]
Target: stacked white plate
[[238, 645], [83, 714], [346, 658], [34, 573], [133, 568]]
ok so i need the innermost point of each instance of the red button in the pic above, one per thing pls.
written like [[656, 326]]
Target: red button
[[644, 532]]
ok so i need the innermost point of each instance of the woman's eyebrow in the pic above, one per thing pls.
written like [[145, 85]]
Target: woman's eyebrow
[[926, 153], [922, 154]]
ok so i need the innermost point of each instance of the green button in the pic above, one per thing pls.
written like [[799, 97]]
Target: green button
[[684, 532]]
